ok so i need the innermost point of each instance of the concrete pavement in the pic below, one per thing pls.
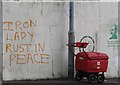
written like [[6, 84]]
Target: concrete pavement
[[60, 82]]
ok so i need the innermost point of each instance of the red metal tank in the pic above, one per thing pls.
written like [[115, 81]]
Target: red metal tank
[[91, 62]]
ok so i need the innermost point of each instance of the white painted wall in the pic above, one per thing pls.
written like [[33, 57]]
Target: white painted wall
[[118, 39], [96, 19], [109, 18], [1, 41], [50, 32], [51, 21]]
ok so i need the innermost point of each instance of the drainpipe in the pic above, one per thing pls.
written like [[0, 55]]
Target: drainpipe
[[71, 39]]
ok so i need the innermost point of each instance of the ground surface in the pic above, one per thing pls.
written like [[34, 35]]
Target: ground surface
[[60, 82]]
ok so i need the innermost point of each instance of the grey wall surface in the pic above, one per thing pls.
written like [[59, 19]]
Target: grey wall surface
[[42, 26], [1, 41], [109, 19], [96, 19], [119, 38], [35, 38]]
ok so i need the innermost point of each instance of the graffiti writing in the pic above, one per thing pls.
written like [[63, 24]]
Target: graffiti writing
[[25, 52], [113, 39]]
